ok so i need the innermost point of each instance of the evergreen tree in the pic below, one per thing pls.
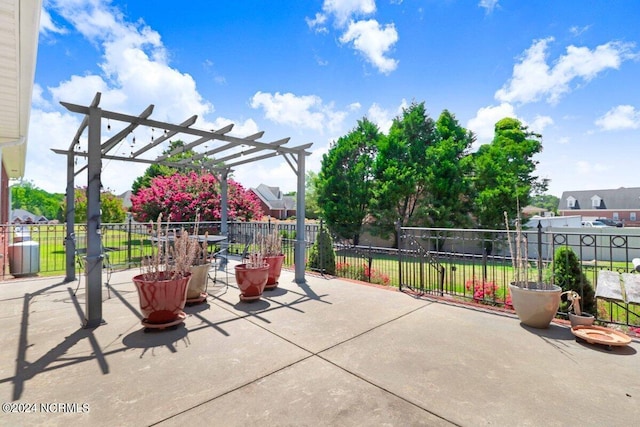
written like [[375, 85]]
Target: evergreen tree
[[322, 257], [569, 276], [344, 184]]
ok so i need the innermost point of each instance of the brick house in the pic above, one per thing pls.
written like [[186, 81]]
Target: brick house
[[622, 204], [274, 203]]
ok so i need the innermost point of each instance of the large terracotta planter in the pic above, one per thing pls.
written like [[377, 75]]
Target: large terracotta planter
[[162, 301], [275, 268], [196, 292], [251, 281], [535, 307]]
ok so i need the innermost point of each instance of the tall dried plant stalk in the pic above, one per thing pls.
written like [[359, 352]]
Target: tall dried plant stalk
[[169, 261], [519, 256], [270, 244]]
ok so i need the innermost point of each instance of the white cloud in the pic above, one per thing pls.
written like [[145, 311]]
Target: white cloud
[[564, 140], [384, 118], [136, 72], [488, 5], [47, 25], [343, 10], [306, 111], [484, 123], [533, 79], [317, 23], [373, 42], [367, 37], [620, 117], [577, 31], [540, 123]]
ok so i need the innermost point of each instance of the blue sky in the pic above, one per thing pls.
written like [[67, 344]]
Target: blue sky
[[310, 69]]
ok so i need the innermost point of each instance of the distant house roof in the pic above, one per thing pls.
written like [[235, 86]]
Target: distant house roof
[[621, 198], [22, 216], [533, 210], [126, 199], [274, 198]]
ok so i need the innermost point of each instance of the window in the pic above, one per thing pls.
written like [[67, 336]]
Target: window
[[632, 216], [595, 202], [571, 202], [616, 216]]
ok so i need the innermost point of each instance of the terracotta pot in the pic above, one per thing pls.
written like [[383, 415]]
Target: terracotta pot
[[198, 282], [251, 281], [535, 307], [584, 319], [275, 267], [162, 301]]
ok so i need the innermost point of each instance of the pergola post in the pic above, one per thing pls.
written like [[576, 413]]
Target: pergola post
[[93, 284], [224, 208], [299, 253], [70, 239], [224, 201]]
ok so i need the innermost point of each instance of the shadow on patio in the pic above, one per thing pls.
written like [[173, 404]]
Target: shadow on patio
[[325, 352]]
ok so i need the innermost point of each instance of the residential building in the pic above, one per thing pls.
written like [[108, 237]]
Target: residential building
[[622, 204], [21, 216], [274, 203]]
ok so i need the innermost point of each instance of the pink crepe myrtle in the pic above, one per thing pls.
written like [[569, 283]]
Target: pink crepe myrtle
[[178, 197]]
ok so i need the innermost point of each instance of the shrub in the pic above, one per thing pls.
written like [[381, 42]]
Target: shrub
[[568, 274], [363, 273], [322, 256], [487, 292]]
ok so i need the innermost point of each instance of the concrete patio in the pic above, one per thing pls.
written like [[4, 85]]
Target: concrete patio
[[328, 352]]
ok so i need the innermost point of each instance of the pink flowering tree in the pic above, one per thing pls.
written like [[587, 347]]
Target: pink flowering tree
[[178, 197]]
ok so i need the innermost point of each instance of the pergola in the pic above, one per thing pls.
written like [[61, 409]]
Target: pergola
[[228, 152]]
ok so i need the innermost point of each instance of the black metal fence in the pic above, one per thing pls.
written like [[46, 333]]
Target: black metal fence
[[40, 248], [470, 264], [476, 264]]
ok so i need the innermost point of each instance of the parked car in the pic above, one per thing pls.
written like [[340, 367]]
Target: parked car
[[610, 222], [594, 224]]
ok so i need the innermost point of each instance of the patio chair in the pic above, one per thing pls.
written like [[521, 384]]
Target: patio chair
[[81, 265], [219, 262]]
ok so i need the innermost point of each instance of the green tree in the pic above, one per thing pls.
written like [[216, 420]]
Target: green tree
[[503, 173], [401, 169], [344, 184], [546, 201], [312, 209], [111, 208], [37, 201], [447, 174]]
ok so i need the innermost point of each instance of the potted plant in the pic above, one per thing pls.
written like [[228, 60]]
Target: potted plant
[[162, 285], [270, 246], [535, 302], [252, 277], [197, 290]]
